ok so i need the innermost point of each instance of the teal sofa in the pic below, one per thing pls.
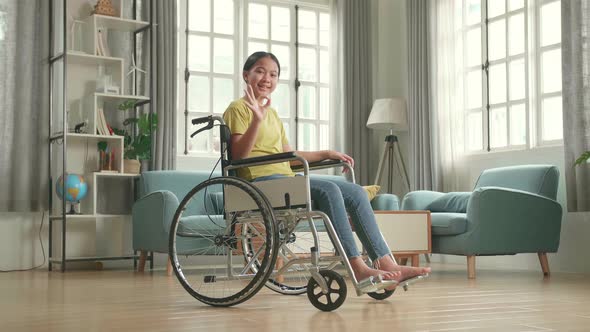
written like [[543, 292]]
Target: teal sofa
[[511, 210], [160, 193]]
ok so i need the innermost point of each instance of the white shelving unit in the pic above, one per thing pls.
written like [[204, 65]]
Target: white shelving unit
[[76, 96]]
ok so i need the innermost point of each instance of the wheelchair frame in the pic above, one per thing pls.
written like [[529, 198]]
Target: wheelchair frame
[[321, 279]]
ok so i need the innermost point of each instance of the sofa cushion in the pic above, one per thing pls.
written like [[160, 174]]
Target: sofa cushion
[[451, 202], [372, 191], [448, 223]]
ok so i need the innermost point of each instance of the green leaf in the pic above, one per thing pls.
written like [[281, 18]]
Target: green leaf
[[583, 158]]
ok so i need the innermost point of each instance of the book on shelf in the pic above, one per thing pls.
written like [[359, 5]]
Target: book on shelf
[[101, 43], [102, 126]]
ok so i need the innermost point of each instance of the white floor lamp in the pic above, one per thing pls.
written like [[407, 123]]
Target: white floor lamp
[[390, 114]]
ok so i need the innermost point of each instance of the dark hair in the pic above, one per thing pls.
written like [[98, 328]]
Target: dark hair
[[254, 57]]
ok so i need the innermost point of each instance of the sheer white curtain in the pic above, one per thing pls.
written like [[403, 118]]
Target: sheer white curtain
[[447, 102]]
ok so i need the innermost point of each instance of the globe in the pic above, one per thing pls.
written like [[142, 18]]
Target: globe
[[76, 188]]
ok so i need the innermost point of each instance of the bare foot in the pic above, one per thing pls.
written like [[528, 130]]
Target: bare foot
[[363, 271], [387, 264]]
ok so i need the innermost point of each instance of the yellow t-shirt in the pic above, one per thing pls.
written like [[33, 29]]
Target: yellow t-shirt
[[270, 140]]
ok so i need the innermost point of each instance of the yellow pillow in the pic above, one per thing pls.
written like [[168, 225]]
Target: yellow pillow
[[372, 191]]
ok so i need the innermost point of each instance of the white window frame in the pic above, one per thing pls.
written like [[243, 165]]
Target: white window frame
[[240, 53], [532, 63]]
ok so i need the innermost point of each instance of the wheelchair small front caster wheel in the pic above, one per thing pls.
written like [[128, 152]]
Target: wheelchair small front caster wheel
[[381, 294], [335, 295]]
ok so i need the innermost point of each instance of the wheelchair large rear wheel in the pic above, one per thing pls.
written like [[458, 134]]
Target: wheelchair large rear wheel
[[207, 237]]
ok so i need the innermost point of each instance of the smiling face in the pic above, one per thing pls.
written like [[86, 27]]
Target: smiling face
[[263, 77]]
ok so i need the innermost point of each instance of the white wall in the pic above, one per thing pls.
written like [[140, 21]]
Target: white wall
[[390, 80]]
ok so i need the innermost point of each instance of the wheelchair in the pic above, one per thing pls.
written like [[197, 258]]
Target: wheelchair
[[230, 237]]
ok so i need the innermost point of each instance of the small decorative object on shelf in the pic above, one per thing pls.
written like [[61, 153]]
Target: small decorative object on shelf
[[76, 34], [76, 190], [106, 158], [133, 69], [104, 7]]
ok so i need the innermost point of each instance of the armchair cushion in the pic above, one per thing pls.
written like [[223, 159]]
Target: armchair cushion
[[450, 202], [372, 191], [448, 223]]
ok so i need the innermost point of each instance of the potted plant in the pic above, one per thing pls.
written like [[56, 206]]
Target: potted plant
[[137, 135]]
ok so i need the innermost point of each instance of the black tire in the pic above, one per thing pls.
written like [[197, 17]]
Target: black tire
[[204, 234], [322, 301], [382, 294]]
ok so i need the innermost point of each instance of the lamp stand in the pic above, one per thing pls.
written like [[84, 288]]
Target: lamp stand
[[392, 153]]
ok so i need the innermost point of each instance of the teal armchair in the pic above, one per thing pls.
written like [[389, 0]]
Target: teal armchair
[[160, 194], [511, 210]]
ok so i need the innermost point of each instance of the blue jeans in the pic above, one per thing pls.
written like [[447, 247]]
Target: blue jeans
[[335, 199]]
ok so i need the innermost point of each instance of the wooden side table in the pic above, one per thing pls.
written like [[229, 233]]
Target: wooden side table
[[406, 232]]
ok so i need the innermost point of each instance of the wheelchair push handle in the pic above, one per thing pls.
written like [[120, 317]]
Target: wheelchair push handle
[[210, 119]]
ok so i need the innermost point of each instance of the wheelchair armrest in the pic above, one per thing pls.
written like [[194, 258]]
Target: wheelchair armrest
[[269, 159], [320, 165]]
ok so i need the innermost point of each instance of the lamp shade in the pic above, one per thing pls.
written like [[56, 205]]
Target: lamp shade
[[388, 114]]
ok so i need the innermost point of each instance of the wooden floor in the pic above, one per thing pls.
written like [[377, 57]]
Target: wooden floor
[[448, 301]]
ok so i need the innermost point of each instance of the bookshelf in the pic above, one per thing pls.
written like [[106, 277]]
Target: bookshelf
[[88, 82]]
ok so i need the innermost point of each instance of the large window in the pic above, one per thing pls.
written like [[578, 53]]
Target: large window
[[219, 36], [513, 73]]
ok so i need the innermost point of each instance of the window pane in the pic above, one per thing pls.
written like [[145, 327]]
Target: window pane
[[223, 22], [497, 44], [474, 89], [497, 83], [223, 56], [223, 93], [516, 34], [198, 94], [552, 119], [257, 21], [307, 64], [307, 137], [200, 142], [307, 27], [324, 103], [324, 67], [474, 131], [474, 47], [307, 102], [280, 24], [496, 7], [498, 128], [198, 53], [473, 11], [282, 53], [199, 18], [517, 125], [517, 80], [324, 29], [324, 137], [255, 47], [551, 71], [551, 23], [515, 4], [281, 100]]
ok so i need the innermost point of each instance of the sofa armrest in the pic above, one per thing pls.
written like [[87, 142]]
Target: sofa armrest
[[512, 221], [152, 216], [385, 202], [420, 199]]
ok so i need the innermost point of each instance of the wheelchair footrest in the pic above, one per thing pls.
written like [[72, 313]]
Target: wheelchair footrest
[[374, 284], [410, 281]]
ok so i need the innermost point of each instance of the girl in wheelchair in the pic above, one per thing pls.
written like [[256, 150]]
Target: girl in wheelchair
[[256, 130]]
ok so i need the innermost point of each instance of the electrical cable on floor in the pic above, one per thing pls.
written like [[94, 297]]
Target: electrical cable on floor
[[42, 250]]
